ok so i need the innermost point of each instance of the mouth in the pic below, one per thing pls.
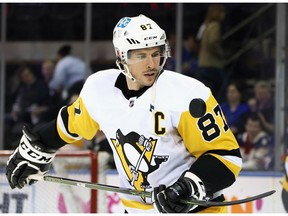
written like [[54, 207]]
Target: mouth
[[150, 73]]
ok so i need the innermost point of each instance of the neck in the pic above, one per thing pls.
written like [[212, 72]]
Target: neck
[[133, 85], [233, 104]]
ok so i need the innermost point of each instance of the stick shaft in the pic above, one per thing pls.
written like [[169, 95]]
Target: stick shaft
[[90, 185], [147, 194]]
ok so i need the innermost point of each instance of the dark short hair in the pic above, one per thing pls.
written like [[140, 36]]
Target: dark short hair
[[254, 117], [24, 67], [64, 50], [238, 85]]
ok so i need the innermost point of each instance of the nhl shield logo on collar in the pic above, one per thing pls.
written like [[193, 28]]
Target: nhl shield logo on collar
[[131, 103]]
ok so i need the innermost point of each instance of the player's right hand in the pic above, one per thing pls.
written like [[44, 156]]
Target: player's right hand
[[167, 199], [30, 157]]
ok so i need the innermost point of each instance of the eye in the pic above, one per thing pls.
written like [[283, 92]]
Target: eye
[[156, 54], [141, 56]]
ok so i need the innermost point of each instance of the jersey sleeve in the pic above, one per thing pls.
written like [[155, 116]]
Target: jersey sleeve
[[284, 193], [74, 123], [285, 178], [211, 142]]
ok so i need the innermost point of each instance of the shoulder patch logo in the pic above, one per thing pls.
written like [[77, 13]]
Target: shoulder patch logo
[[77, 110]]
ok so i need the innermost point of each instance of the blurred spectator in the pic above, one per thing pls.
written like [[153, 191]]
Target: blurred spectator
[[252, 103], [264, 106], [189, 55], [235, 110], [48, 111], [255, 145], [47, 69], [32, 92], [69, 74], [51, 110], [211, 53]]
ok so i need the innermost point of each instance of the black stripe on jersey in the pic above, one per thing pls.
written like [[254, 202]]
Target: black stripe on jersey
[[214, 174], [65, 116], [233, 152], [49, 136]]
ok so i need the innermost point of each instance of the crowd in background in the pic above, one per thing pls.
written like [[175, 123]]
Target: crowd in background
[[40, 94], [248, 111]]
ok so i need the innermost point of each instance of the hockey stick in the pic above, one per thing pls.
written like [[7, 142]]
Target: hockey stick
[[147, 194]]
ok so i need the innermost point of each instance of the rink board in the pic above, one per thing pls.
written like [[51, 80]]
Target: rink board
[[248, 184], [54, 198]]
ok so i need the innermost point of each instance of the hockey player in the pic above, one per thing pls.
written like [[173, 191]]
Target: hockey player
[[144, 112]]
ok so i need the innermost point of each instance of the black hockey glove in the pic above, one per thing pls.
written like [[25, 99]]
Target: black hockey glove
[[30, 157], [166, 200]]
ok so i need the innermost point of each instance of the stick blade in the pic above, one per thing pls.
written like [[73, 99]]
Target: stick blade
[[227, 203]]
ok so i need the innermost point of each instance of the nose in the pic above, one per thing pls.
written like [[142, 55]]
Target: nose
[[150, 62]]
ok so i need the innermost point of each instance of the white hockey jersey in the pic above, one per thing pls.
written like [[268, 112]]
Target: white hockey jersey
[[154, 138]]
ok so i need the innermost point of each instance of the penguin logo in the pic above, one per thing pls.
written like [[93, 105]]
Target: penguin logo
[[136, 154]]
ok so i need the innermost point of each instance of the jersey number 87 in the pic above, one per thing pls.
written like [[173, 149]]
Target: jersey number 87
[[208, 125]]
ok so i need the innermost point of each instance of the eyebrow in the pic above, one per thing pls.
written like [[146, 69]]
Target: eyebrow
[[138, 52]]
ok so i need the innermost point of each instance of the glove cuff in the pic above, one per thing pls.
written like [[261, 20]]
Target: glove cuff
[[32, 154], [192, 176], [197, 186]]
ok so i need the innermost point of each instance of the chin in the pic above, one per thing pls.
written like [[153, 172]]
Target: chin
[[149, 83]]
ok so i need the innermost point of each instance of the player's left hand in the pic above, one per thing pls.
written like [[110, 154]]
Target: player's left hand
[[166, 200]]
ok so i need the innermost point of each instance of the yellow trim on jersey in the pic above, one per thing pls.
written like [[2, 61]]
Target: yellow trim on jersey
[[79, 122], [79, 143], [285, 183], [135, 204], [233, 167], [64, 137], [285, 180], [215, 209]]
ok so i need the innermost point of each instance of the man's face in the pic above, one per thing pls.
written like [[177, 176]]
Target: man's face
[[27, 76], [253, 127], [144, 65], [233, 94], [262, 94], [47, 70]]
